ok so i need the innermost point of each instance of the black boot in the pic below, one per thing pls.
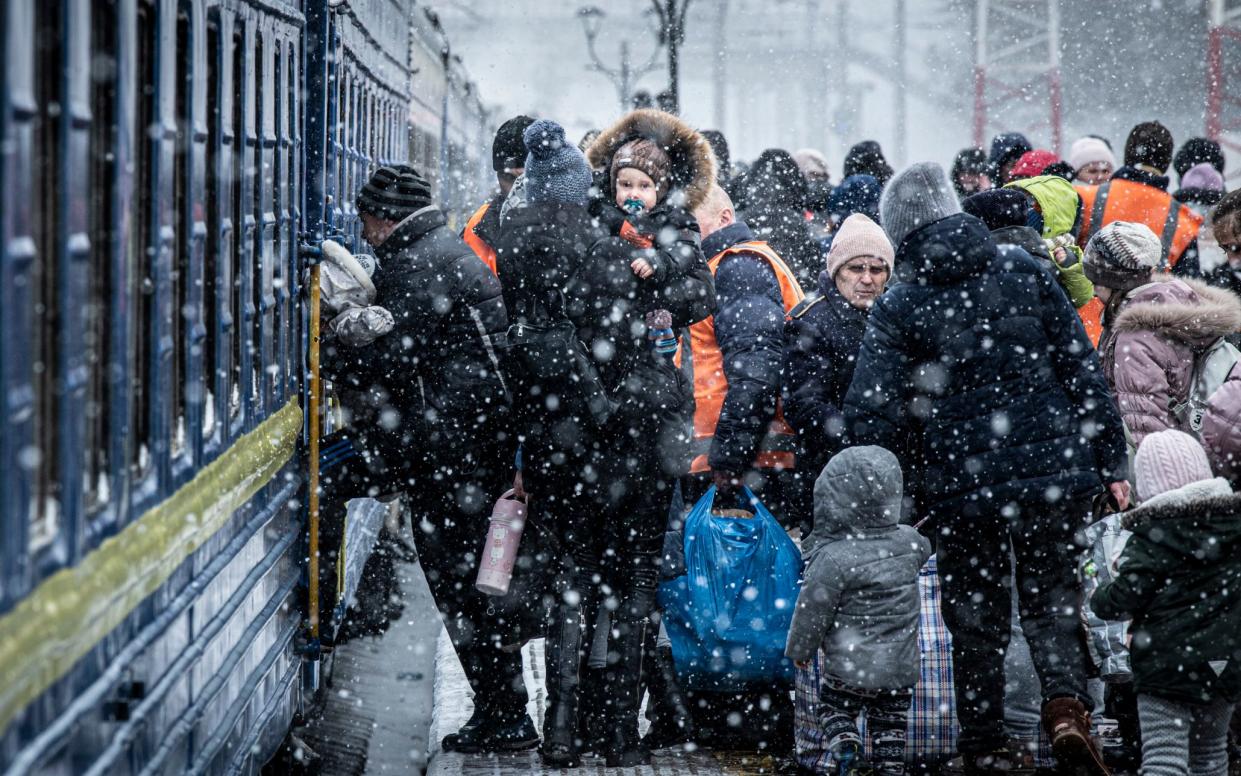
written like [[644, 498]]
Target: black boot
[[671, 723], [563, 655], [480, 734], [624, 749]]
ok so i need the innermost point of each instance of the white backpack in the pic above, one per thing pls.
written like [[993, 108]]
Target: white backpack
[[1212, 368]]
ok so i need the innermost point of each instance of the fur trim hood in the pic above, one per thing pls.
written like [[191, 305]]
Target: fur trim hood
[[1182, 309], [693, 161], [1200, 520], [1196, 499]]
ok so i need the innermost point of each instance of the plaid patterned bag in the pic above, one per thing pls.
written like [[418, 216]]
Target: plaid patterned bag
[[931, 734]]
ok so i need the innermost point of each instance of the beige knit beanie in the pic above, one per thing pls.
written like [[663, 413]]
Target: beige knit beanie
[[859, 236]]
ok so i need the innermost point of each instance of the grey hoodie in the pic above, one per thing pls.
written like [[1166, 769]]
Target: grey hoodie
[[859, 601]]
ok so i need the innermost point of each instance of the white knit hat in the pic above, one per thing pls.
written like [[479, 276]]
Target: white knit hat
[[1167, 460], [1087, 150]]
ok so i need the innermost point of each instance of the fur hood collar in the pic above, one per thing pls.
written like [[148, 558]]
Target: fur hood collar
[[1182, 309], [693, 162], [1198, 500]]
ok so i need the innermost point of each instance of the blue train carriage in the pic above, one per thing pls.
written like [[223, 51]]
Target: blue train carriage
[[450, 139], [366, 91], [159, 173]]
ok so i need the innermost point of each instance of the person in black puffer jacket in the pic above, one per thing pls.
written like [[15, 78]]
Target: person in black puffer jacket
[[979, 349], [428, 406], [822, 337], [645, 277]]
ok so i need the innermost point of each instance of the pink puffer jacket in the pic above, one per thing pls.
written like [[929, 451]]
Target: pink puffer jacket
[[1148, 353]]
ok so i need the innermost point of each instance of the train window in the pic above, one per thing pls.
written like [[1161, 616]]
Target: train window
[[290, 274], [211, 256], [181, 275], [262, 260], [46, 505], [99, 354], [234, 294], [279, 198], [141, 288]]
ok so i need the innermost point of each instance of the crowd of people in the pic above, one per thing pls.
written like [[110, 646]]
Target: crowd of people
[[937, 380]]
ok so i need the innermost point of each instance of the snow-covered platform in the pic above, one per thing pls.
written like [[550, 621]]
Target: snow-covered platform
[[394, 698], [453, 706]]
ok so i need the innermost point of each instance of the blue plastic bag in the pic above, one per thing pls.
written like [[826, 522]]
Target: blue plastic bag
[[728, 616]]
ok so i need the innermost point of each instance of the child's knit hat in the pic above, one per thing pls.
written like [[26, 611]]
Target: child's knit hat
[[1167, 460], [645, 156]]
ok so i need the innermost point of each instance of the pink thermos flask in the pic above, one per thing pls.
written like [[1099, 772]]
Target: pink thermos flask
[[495, 567]]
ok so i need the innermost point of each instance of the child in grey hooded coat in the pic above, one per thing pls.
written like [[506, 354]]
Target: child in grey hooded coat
[[859, 604]]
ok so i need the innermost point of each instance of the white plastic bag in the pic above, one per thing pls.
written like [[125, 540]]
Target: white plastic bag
[[345, 279], [1108, 640]]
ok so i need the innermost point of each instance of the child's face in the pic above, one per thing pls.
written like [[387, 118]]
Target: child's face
[[635, 184]]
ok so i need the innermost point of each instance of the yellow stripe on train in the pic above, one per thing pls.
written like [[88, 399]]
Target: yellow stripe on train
[[75, 608]]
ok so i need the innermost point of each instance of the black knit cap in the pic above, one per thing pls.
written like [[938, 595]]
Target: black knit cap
[[393, 192], [508, 150], [969, 161], [1150, 143], [1198, 150], [998, 208]]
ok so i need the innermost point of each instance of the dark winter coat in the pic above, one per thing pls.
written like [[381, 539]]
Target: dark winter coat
[[540, 253], [749, 329], [1179, 578], [654, 401], [434, 383], [776, 211], [488, 227], [859, 600], [822, 338], [1226, 276], [1025, 238], [979, 348]]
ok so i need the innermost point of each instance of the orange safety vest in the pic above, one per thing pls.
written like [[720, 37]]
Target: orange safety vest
[[1091, 314], [711, 385], [476, 243], [1122, 200]]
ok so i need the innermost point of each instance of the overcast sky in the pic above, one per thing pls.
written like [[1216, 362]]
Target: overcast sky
[[782, 66], [821, 73]]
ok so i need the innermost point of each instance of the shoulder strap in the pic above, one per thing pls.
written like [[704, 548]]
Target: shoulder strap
[[1100, 203], [1212, 368], [1169, 232], [803, 307]]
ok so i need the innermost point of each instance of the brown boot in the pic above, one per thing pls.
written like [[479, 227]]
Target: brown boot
[[1068, 726]]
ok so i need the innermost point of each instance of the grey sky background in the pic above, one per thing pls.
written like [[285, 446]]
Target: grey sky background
[[820, 73], [780, 57]]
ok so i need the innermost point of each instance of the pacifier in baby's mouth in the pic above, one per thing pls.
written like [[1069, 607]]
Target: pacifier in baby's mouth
[[633, 206]]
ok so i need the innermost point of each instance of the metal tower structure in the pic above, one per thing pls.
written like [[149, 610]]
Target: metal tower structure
[[1223, 115], [1017, 68]]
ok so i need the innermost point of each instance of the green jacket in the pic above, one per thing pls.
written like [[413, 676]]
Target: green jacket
[[1060, 205], [1180, 581]]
